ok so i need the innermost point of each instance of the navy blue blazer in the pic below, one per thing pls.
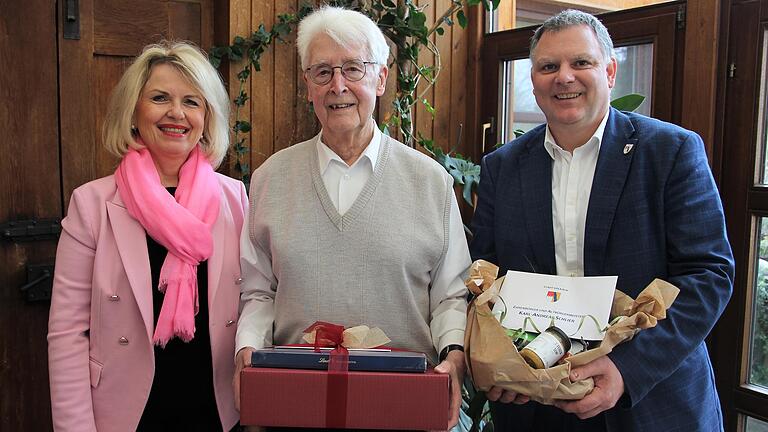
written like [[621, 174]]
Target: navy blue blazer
[[654, 212]]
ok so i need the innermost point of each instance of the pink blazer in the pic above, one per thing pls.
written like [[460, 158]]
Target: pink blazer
[[100, 354]]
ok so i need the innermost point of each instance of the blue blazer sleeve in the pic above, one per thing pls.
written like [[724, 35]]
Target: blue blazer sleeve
[[684, 243]]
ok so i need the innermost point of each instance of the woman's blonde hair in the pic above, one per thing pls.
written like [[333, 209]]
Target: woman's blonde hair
[[192, 63]]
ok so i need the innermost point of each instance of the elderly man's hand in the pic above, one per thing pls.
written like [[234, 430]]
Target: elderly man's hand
[[453, 365], [242, 359], [609, 386]]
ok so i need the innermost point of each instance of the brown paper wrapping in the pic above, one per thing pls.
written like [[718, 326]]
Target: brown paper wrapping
[[493, 360], [358, 337]]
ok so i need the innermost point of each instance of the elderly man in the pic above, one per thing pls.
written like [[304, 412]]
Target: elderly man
[[597, 191], [353, 227]]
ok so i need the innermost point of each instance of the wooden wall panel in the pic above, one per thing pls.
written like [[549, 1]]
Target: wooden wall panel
[[457, 110], [422, 121], [441, 132], [278, 110], [285, 94], [384, 107], [262, 91]]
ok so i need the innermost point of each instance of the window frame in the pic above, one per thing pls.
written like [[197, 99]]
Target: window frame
[[656, 24]]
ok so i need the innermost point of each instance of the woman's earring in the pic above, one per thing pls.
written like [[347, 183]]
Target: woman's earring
[[134, 130]]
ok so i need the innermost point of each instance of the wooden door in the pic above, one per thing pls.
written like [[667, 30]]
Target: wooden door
[[54, 91], [30, 187]]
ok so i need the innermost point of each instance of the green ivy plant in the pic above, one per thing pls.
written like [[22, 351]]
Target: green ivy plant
[[404, 24], [248, 51]]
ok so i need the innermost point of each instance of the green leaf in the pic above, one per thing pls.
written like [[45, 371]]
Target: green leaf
[[465, 173], [244, 74], [242, 126], [241, 98], [462, 19], [429, 107], [387, 20], [388, 3], [629, 102], [439, 31]]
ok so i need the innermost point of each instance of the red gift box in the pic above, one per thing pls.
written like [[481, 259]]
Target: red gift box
[[360, 400]]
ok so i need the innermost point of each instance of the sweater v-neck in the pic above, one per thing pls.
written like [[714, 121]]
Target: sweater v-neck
[[347, 219]]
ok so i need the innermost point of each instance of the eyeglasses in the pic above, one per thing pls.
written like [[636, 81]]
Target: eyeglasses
[[352, 70]]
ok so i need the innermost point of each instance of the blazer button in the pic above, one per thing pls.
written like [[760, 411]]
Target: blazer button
[[114, 297], [229, 323], [123, 340], [238, 281]]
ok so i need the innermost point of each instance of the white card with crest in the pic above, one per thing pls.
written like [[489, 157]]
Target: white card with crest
[[571, 302]]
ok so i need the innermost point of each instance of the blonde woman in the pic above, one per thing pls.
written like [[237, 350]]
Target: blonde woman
[[145, 294]]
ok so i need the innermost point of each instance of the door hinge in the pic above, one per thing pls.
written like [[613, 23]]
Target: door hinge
[[39, 283], [30, 230], [731, 70]]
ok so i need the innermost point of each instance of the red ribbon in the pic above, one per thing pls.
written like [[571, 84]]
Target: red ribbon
[[332, 335]]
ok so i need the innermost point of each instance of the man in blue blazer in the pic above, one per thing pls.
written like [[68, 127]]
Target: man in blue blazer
[[597, 191]]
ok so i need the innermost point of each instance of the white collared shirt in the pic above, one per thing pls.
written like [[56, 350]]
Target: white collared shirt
[[344, 182], [572, 176]]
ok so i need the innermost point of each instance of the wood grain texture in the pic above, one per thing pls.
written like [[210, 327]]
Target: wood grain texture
[[700, 69], [422, 119], [262, 92], [384, 107], [185, 22], [285, 94], [442, 125], [30, 187], [107, 71], [76, 110], [124, 28], [278, 109], [307, 124]]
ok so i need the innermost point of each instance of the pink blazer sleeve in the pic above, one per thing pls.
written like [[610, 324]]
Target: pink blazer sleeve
[[68, 323]]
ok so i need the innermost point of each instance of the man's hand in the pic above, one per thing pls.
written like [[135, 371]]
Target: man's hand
[[453, 365], [609, 386], [506, 396], [242, 359]]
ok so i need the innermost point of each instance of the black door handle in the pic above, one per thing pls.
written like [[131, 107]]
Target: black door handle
[[71, 19]]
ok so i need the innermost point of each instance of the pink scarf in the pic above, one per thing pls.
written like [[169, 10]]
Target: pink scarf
[[183, 225]]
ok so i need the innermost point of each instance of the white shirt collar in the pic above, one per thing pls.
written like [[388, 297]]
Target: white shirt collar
[[550, 144], [325, 155]]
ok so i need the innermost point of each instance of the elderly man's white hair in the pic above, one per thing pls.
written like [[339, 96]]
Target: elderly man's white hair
[[348, 28]]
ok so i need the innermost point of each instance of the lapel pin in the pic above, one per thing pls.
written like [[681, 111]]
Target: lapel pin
[[628, 148]]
